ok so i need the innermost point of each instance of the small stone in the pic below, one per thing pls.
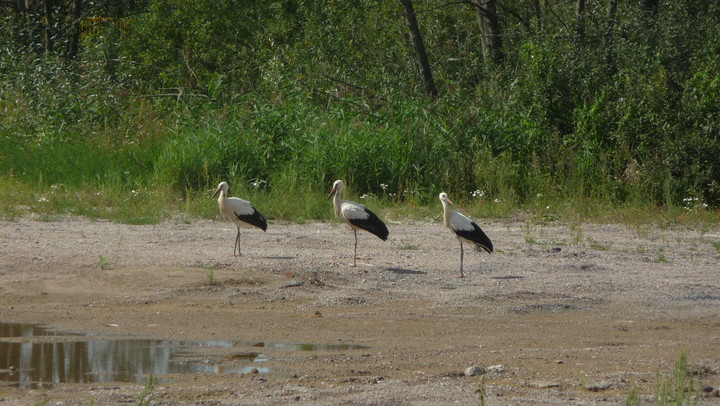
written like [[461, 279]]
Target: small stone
[[598, 386], [707, 389], [474, 371], [496, 369], [545, 384]]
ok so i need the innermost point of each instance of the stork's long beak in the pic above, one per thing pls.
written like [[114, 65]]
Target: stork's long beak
[[332, 193], [216, 192], [449, 202]]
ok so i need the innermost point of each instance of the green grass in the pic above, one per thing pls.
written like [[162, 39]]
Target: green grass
[[296, 201], [284, 158], [146, 397], [481, 391], [716, 244], [104, 263], [633, 398], [678, 387]]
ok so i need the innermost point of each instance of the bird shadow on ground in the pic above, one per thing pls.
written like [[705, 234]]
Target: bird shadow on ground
[[402, 271]]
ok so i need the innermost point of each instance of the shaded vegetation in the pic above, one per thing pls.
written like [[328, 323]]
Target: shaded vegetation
[[280, 98]]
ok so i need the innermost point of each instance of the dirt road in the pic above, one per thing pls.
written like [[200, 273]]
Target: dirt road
[[565, 314]]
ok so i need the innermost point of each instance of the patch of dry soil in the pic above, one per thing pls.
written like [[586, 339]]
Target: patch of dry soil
[[576, 314]]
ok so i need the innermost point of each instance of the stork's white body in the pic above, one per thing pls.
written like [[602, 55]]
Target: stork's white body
[[356, 216], [240, 211], [464, 229]]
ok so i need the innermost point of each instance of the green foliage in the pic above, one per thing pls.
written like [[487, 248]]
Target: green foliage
[[281, 98], [42, 402], [677, 388], [146, 397], [104, 263], [633, 398]]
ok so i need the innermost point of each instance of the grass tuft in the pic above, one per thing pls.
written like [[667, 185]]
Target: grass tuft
[[677, 387]]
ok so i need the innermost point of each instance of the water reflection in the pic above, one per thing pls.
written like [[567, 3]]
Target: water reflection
[[32, 356], [35, 363]]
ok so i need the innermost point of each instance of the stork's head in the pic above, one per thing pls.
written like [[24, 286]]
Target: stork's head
[[337, 188], [222, 186], [444, 198]]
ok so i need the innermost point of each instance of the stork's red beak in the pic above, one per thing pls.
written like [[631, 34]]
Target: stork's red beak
[[216, 191]]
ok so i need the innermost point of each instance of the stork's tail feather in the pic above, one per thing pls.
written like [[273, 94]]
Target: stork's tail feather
[[256, 219], [372, 224], [481, 240]]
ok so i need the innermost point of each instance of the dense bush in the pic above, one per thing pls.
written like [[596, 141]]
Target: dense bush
[[265, 93]]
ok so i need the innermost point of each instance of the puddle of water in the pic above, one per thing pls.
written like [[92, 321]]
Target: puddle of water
[[29, 360]]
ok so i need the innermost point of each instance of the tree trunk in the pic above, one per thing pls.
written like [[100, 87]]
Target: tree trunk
[[47, 11], [537, 8], [490, 29], [75, 34], [608, 43], [425, 71], [580, 19]]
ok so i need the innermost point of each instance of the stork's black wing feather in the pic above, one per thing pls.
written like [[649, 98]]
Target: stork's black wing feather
[[371, 224], [255, 218], [478, 236]]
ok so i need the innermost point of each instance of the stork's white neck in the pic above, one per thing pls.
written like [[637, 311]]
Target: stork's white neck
[[336, 202], [222, 198], [446, 213]]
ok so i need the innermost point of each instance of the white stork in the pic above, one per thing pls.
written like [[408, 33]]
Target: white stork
[[464, 229], [356, 216], [240, 211]]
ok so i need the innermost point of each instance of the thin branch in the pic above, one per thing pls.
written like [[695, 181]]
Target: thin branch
[[343, 82]]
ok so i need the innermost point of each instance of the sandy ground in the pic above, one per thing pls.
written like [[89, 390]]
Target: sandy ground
[[576, 314]]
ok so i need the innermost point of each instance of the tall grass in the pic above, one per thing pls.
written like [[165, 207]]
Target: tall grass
[[678, 387], [284, 157]]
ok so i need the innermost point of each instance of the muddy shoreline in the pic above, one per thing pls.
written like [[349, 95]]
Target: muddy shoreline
[[575, 314]]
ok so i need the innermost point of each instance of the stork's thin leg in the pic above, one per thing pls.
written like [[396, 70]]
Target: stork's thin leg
[[355, 250], [237, 244], [462, 252]]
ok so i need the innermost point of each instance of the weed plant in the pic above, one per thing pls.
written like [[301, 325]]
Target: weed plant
[[146, 397], [678, 387]]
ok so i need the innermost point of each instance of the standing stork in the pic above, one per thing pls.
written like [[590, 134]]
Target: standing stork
[[464, 229], [240, 211], [356, 216]]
